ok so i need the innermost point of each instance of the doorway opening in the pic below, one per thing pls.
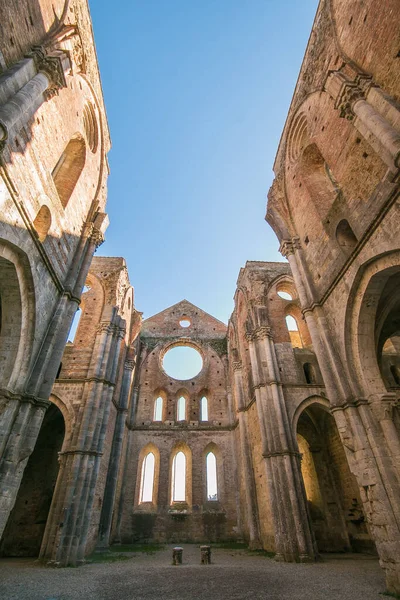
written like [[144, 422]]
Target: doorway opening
[[27, 522], [332, 492]]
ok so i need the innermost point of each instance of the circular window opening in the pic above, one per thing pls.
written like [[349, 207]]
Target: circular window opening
[[182, 362], [184, 322], [285, 295]]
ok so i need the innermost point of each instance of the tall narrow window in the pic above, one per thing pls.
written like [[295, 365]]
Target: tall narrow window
[[204, 409], [294, 332], [69, 168], [158, 409], [211, 467], [181, 409], [147, 482], [179, 478]]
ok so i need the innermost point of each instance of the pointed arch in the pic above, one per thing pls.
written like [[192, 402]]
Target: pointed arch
[[69, 168], [18, 315], [147, 478], [213, 473], [180, 488], [182, 405], [204, 408], [158, 408]]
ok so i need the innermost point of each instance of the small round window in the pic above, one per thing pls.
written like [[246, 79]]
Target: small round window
[[182, 362], [285, 295], [184, 322]]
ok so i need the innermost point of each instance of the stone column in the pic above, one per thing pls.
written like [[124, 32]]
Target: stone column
[[361, 430], [328, 359], [350, 100], [293, 534], [66, 532], [25, 411], [141, 351], [113, 469], [43, 85], [246, 460]]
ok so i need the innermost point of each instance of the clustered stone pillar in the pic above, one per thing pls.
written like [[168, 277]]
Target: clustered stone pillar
[[113, 469], [247, 466], [361, 429], [50, 77], [25, 412], [69, 519], [293, 533]]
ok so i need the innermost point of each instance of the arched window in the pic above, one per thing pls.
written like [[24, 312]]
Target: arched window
[[294, 332], [211, 468], [179, 478], [42, 222], [309, 373], [204, 409], [69, 168], [147, 481], [158, 409], [181, 409], [345, 236]]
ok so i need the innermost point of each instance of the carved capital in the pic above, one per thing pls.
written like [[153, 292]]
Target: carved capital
[[237, 365], [104, 327], [129, 364], [346, 93], [286, 248], [262, 332], [53, 66], [96, 236]]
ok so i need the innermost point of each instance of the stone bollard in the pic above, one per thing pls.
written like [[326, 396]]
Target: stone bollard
[[205, 552], [177, 553]]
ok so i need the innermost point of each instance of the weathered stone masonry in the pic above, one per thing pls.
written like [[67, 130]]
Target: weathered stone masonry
[[302, 385], [53, 168], [334, 206]]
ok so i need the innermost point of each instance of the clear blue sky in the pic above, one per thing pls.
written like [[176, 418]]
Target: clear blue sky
[[197, 93]]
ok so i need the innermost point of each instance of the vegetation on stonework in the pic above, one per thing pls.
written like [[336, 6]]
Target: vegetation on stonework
[[147, 548], [230, 545], [108, 557], [123, 552], [390, 595], [263, 553]]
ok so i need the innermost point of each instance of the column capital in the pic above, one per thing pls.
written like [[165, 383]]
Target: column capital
[[288, 246], [104, 327], [262, 332], [53, 65], [346, 93], [237, 365], [129, 364], [96, 236]]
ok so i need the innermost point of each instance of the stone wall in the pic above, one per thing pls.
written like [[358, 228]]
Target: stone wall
[[53, 169], [334, 208], [197, 518]]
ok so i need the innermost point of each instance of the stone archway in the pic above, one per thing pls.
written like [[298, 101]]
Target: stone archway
[[26, 525], [331, 489]]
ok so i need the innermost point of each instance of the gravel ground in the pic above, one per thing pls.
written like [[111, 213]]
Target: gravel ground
[[234, 575]]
